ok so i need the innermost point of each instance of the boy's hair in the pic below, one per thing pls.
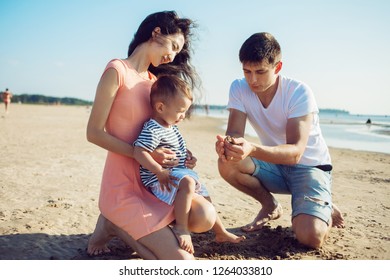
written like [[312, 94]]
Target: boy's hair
[[259, 47], [166, 87]]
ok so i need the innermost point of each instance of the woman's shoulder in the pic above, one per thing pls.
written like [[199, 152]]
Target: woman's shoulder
[[116, 63]]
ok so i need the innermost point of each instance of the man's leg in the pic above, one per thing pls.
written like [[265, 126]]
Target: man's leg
[[337, 217], [239, 175], [310, 231], [311, 204]]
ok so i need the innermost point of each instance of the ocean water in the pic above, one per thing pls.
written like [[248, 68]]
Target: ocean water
[[340, 130]]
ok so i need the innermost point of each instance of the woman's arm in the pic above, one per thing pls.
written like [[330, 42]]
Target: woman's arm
[[105, 95], [146, 160]]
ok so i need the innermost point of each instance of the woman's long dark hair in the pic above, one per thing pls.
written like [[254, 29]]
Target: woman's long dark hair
[[169, 23]]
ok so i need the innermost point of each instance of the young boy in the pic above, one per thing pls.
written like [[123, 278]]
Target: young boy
[[170, 99]]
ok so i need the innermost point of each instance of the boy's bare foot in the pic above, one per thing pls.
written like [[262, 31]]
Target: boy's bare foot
[[337, 217], [228, 237], [263, 217], [184, 237], [97, 244]]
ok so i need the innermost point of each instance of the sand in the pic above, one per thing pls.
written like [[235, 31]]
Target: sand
[[50, 179]]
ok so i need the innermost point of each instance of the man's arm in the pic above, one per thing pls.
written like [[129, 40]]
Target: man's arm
[[297, 135], [236, 123], [235, 128]]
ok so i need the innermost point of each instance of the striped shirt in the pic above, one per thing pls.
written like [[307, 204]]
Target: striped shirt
[[154, 136]]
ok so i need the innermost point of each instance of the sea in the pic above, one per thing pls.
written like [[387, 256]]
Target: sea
[[339, 128]]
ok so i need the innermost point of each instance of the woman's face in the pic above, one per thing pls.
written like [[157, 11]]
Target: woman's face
[[165, 48]]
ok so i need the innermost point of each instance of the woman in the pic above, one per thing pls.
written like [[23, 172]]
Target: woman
[[7, 95], [160, 45]]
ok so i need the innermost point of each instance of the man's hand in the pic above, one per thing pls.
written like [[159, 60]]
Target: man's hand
[[232, 149], [220, 148]]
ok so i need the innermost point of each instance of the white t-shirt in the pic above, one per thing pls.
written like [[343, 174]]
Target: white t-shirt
[[292, 99]]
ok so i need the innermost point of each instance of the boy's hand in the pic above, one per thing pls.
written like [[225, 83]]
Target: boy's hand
[[166, 180], [190, 160]]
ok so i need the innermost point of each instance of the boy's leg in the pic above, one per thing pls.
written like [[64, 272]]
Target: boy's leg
[[182, 204], [221, 234]]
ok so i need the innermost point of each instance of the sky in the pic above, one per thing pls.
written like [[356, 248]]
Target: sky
[[341, 49]]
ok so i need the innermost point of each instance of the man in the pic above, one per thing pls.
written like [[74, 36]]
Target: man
[[292, 158]]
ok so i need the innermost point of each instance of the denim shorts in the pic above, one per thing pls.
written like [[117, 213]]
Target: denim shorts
[[310, 187]]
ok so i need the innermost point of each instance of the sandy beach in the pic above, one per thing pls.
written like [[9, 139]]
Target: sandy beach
[[50, 179]]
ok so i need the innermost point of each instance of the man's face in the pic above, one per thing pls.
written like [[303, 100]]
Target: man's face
[[261, 76]]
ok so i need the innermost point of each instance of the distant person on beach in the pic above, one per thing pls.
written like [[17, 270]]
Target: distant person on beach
[[292, 158], [170, 100], [161, 45], [6, 95]]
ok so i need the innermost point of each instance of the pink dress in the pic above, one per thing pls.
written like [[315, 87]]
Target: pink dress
[[123, 199]]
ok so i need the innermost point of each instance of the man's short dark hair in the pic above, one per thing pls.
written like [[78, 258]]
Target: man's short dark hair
[[260, 46]]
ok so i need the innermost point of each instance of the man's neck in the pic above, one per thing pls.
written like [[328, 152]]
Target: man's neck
[[267, 96]]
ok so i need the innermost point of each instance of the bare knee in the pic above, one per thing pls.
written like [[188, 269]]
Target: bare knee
[[224, 169], [202, 216], [310, 231], [187, 185], [231, 171], [313, 239]]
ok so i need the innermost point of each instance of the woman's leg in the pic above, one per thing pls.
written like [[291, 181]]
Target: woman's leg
[[201, 219], [102, 234], [202, 215], [105, 231], [164, 245]]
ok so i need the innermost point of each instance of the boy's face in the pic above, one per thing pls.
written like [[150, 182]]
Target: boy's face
[[174, 111], [261, 76]]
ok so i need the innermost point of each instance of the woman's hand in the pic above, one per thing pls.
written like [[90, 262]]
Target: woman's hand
[[190, 160], [165, 157]]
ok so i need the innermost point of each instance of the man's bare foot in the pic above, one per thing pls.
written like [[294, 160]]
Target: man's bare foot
[[263, 217], [229, 237], [97, 244], [184, 237], [337, 217]]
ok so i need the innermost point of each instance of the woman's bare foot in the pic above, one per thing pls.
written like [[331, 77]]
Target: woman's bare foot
[[337, 217], [226, 236], [263, 217], [184, 237], [97, 244]]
